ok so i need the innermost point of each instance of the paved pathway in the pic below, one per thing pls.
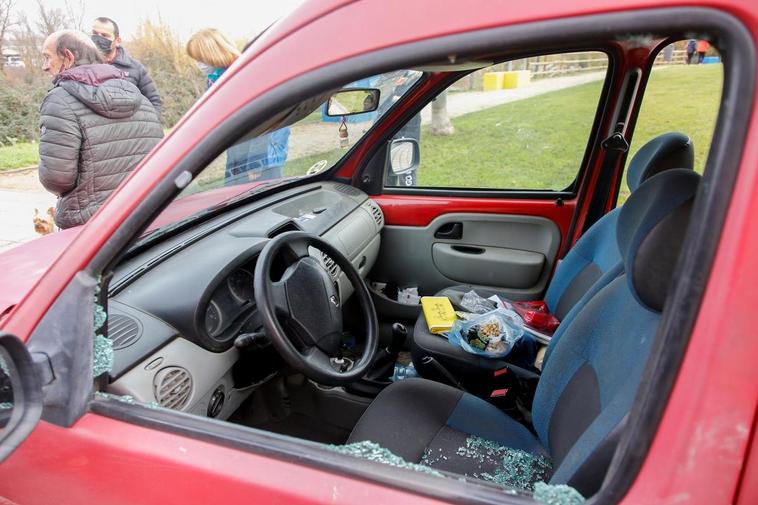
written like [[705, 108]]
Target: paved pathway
[[21, 192]]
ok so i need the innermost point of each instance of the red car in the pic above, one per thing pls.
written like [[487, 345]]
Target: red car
[[208, 338]]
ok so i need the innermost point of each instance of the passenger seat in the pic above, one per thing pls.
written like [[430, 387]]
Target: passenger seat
[[593, 262]]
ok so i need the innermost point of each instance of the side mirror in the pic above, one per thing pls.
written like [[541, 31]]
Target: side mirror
[[405, 155], [347, 102], [20, 394]]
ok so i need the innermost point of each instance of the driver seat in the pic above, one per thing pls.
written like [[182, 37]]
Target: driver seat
[[587, 388]]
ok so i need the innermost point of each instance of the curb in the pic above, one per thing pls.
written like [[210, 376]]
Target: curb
[[18, 170]]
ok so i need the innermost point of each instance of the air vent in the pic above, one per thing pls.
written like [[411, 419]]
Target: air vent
[[331, 265], [347, 190], [376, 213], [172, 387], [123, 330]]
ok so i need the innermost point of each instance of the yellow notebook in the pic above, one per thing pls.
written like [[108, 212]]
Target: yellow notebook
[[438, 312]]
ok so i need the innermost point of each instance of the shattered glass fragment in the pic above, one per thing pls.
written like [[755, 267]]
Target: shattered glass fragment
[[559, 494], [129, 399], [100, 316], [501, 465], [102, 355], [374, 452], [4, 366], [102, 352], [6, 387]]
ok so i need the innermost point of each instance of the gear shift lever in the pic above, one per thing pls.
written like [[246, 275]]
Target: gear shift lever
[[384, 363], [399, 335]]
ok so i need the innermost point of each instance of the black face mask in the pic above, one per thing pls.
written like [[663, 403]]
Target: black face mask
[[104, 45]]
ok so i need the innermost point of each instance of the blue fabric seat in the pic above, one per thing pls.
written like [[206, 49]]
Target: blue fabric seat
[[586, 389], [593, 262]]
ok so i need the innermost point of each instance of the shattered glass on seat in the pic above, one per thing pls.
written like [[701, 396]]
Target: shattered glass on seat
[[560, 494], [374, 452], [477, 458], [486, 460]]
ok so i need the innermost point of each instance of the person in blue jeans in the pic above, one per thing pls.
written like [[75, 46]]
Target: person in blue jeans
[[257, 159]]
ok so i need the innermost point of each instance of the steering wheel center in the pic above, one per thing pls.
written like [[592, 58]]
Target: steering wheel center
[[314, 306]]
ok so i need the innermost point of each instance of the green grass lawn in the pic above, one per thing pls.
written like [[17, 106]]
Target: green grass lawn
[[536, 143], [539, 142], [684, 99], [18, 156]]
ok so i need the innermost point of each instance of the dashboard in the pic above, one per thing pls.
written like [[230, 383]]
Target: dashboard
[[176, 309]]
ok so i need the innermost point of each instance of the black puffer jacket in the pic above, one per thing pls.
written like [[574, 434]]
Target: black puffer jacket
[[137, 74], [95, 127]]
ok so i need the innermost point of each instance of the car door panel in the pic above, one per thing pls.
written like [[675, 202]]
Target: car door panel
[[514, 253], [493, 266]]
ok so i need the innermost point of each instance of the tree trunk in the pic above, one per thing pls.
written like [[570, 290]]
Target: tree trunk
[[441, 124]]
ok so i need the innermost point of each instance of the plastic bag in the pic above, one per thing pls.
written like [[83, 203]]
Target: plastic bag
[[536, 315], [472, 302], [492, 334]]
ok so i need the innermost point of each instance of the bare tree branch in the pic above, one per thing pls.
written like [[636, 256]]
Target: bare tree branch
[[75, 13], [5, 22], [28, 42], [50, 19]]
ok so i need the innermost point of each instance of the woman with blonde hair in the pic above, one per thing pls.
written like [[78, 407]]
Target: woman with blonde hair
[[257, 159], [213, 52]]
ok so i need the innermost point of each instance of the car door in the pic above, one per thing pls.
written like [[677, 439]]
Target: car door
[[494, 196], [116, 452]]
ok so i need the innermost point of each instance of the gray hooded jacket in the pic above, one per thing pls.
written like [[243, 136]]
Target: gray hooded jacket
[[136, 73], [95, 127]]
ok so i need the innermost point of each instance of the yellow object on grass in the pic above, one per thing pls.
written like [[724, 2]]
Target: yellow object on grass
[[492, 81], [516, 79], [438, 312]]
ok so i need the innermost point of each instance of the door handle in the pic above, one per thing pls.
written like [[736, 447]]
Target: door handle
[[450, 231], [467, 249]]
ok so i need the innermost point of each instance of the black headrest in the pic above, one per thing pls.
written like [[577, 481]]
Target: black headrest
[[651, 229], [664, 152]]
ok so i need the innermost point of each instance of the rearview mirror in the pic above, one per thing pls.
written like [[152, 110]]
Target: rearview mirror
[[404, 155], [348, 102]]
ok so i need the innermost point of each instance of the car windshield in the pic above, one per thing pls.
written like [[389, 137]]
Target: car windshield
[[310, 145]]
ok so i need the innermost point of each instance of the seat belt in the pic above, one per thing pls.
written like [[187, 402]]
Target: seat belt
[[615, 147]]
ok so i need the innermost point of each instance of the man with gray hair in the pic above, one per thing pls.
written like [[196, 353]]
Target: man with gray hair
[[95, 127]]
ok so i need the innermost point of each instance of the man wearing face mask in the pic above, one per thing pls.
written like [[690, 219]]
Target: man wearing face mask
[[106, 36], [95, 127]]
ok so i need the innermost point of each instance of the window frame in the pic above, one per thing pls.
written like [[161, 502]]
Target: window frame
[[638, 103]]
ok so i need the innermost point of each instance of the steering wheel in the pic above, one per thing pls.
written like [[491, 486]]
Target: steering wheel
[[306, 302]]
